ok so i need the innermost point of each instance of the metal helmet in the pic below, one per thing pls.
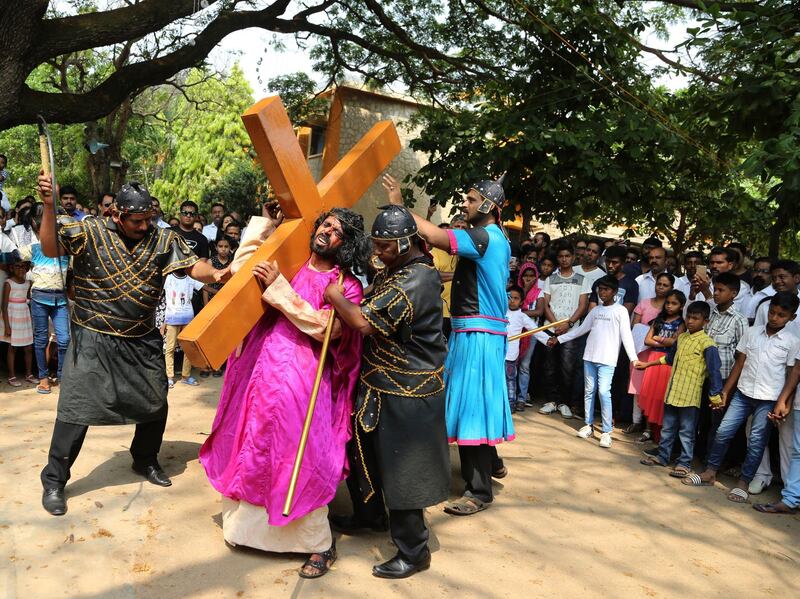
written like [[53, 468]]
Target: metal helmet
[[492, 193], [395, 223], [133, 198]]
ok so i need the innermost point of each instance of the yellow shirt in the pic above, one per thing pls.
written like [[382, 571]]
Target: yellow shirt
[[444, 262]]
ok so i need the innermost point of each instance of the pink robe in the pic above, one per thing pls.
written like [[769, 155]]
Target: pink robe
[[250, 453]]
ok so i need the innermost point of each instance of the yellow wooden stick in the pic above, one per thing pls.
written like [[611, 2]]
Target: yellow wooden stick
[[540, 329], [301, 448]]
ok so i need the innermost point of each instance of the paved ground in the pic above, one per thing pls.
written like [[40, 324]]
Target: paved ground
[[570, 520]]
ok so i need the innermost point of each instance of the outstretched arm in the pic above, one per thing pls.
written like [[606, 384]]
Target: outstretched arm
[[205, 273], [349, 312], [435, 236]]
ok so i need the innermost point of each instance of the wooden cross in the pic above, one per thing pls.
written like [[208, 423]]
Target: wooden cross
[[209, 339]]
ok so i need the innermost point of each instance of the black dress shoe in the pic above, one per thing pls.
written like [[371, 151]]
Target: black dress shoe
[[397, 567], [350, 524], [54, 502], [154, 474]]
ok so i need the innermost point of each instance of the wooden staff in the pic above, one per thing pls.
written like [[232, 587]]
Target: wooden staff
[[540, 329], [301, 449]]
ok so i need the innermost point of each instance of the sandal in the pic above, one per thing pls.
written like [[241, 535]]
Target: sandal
[[32, 379], [322, 566], [738, 495], [646, 436], [774, 508], [466, 506], [649, 461], [680, 472], [14, 382], [501, 472], [42, 390], [54, 380], [694, 480]]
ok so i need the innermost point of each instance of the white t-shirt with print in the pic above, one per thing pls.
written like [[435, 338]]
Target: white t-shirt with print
[[178, 292], [565, 293]]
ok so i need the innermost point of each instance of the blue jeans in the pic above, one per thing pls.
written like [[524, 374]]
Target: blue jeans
[[40, 315], [791, 489], [524, 370], [511, 382], [597, 378], [740, 408], [678, 423]]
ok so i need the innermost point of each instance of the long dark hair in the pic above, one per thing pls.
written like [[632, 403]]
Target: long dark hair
[[356, 248], [659, 320]]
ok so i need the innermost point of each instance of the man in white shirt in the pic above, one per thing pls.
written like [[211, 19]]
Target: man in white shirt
[[211, 229], [657, 258], [785, 276], [588, 267], [761, 287], [721, 260], [691, 260], [566, 296], [752, 389], [158, 221]]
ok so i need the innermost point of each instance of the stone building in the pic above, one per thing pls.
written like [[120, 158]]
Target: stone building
[[353, 112]]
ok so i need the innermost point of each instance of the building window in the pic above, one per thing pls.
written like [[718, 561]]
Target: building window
[[317, 144]]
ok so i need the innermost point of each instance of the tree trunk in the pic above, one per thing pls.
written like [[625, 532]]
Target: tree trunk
[[782, 219], [110, 131]]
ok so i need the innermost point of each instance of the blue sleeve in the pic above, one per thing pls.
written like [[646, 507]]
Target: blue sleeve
[[713, 365], [469, 243], [672, 352]]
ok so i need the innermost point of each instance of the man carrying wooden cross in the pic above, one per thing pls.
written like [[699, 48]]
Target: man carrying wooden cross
[[249, 455]]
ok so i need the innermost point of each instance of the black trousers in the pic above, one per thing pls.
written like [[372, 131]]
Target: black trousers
[[68, 439], [560, 374], [407, 527], [477, 464]]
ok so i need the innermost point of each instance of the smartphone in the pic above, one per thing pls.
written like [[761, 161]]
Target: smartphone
[[702, 271]]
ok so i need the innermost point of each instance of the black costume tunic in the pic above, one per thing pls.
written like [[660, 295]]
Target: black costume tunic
[[114, 370], [400, 410]]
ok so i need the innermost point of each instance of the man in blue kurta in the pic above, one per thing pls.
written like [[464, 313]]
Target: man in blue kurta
[[478, 413]]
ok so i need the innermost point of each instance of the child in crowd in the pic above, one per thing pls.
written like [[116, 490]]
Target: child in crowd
[[646, 312], [608, 326], [663, 333], [517, 320], [532, 287], [693, 357], [726, 327], [221, 259], [754, 385], [787, 414], [178, 291], [17, 322]]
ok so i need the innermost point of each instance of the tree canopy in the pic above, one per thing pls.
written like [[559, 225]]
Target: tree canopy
[[554, 93]]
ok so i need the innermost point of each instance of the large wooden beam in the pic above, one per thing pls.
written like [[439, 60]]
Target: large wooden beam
[[209, 339]]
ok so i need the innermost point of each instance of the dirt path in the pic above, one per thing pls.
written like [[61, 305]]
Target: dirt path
[[570, 520]]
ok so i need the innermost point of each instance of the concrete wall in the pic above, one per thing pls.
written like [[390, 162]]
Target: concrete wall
[[358, 112]]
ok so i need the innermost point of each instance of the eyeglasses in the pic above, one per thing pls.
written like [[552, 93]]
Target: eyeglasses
[[763, 271], [188, 212]]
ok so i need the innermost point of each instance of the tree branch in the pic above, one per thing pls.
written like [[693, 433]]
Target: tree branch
[[723, 6]]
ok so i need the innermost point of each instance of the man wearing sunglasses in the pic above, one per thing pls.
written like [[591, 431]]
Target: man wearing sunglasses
[[196, 241]]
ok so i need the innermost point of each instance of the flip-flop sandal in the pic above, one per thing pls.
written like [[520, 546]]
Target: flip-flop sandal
[[680, 472], [772, 508], [694, 480], [42, 390], [466, 506], [14, 382], [738, 495], [31, 379], [648, 461], [322, 566]]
